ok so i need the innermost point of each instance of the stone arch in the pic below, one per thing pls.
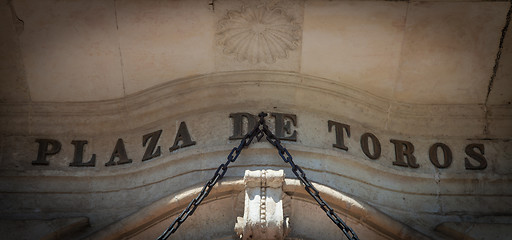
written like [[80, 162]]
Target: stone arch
[[215, 217]]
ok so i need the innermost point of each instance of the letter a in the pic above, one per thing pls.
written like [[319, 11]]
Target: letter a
[[182, 136]]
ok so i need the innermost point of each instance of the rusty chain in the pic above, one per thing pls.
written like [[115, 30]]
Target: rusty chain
[[287, 158]]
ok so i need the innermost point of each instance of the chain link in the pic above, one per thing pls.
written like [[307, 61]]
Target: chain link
[[287, 158], [299, 173], [217, 176]]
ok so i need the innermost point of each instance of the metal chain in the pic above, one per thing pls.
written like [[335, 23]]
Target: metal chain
[[287, 158], [299, 173], [219, 174]]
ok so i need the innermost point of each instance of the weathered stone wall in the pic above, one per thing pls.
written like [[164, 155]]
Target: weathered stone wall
[[426, 52], [100, 71], [421, 197]]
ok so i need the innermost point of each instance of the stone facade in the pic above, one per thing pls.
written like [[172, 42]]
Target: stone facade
[[114, 114]]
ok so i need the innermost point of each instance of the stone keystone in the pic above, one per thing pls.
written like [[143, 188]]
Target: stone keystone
[[263, 210]]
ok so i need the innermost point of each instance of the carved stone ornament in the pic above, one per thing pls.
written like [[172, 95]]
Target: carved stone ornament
[[263, 207], [258, 34]]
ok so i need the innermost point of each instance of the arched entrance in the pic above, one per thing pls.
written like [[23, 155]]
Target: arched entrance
[[216, 217]]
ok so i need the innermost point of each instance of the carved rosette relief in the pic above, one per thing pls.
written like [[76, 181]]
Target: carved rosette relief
[[258, 34]]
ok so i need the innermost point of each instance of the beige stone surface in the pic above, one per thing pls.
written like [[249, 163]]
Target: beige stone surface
[[420, 52], [414, 71], [498, 116], [161, 41], [468, 230], [70, 50], [8, 44], [501, 91], [448, 51], [356, 43], [46, 229], [13, 87], [279, 90]]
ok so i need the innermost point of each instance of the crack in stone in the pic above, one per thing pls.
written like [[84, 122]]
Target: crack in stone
[[496, 66], [121, 62], [19, 27], [19, 24]]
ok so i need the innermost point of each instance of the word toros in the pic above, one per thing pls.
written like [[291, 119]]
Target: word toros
[[404, 150]]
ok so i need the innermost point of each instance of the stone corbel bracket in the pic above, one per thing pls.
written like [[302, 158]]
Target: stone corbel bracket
[[263, 206]]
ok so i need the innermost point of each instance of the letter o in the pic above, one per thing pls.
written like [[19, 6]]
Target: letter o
[[375, 143], [432, 153]]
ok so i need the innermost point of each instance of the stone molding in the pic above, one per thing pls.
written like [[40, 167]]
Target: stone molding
[[434, 195], [239, 90], [407, 181]]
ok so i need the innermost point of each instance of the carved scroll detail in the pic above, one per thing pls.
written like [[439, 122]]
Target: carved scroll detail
[[263, 210]]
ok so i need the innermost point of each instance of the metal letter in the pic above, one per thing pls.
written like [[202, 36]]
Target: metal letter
[[338, 127], [150, 150], [238, 122], [432, 153], [375, 143], [44, 151], [282, 126], [119, 152], [79, 155], [479, 157], [404, 148], [182, 136]]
